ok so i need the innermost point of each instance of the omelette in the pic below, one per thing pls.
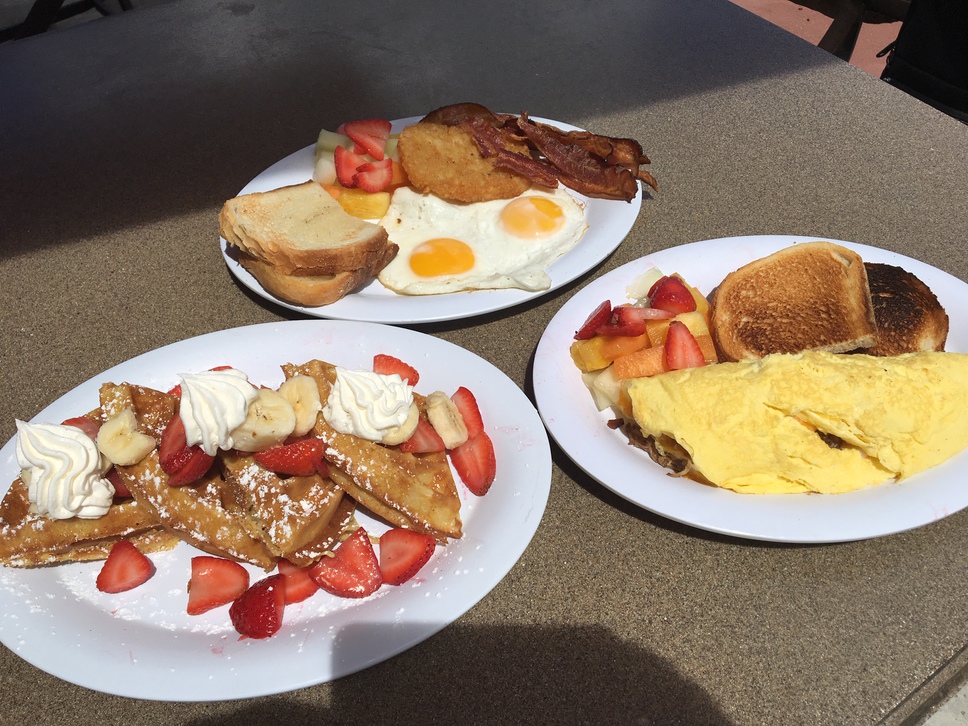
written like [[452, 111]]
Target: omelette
[[809, 422]]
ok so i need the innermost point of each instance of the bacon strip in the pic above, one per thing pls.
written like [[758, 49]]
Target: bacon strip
[[491, 143]]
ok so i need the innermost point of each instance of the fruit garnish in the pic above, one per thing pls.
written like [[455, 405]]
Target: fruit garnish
[[184, 464], [371, 134], [681, 349], [424, 440], [215, 582], [469, 411], [670, 293], [124, 569], [599, 316], [402, 553], [85, 424], [299, 585], [625, 320], [258, 612], [121, 490], [300, 458], [475, 463], [374, 176], [346, 165], [387, 365], [353, 571]]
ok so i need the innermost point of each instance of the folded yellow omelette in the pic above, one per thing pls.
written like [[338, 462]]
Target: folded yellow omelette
[[755, 426]]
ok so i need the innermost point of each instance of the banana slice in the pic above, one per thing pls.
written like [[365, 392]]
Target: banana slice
[[269, 421], [405, 430], [303, 393], [120, 442], [446, 419]]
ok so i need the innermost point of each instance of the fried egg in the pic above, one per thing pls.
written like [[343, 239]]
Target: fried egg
[[506, 243]]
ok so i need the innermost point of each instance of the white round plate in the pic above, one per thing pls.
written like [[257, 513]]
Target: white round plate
[[609, 221], [142, 644], [579, 428]]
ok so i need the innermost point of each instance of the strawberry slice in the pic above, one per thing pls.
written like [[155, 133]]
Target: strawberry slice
[[387, 365], [670, 293], [402, 553], [600, 315], [85, 424], [469, 411], [215, 582], [681, 349], [371, 134], [121, 490], [300, 458], [354, 571], [299, 585], [124, 569], [475, 463], [184, 464], [258, 612], [424, 440], [626, 321], [346, 165], [374, 176]]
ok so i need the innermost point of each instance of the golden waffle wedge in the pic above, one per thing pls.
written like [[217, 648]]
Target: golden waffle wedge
[[196, 512], [297, 517], [29, 540], [416, 491]]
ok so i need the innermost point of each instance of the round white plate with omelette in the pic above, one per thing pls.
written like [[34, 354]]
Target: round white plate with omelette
[[143, 644], [580, 429], [609, 221]]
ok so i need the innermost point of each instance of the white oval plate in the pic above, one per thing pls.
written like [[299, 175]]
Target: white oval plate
[[609, 221], [142, 644], [579, 428]]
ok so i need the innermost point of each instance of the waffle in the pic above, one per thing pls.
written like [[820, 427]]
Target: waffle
[[29, 540], [416, 491], [298, 517]]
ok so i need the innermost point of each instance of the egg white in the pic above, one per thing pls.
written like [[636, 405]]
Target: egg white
[[501, 259]]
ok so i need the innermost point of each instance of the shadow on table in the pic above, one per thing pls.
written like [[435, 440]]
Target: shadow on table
[[521, 674]]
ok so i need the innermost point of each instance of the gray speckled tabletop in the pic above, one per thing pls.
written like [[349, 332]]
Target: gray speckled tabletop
[[121, 138]]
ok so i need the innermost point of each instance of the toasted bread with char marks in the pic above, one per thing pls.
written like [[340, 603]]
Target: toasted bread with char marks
[[909, 317]]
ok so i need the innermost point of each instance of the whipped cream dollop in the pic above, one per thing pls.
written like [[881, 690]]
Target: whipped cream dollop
[[367, 404], [63, 470], [213, 404]]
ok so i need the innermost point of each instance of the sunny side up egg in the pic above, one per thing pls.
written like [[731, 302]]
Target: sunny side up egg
[[506, 243]]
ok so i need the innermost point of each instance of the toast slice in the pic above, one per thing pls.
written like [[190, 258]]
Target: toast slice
[[416, 491], [298, 517], [301, 227], [313, 290], [811, 296], [909, 317]]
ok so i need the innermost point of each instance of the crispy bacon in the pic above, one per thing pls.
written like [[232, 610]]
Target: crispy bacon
[[491, 143]]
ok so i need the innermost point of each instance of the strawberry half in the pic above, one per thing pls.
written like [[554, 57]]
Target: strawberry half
[[300, 458], [85, 424], [424, 440], [258, 612], [124, 569], [469, 411], [681, 349], [346, 165], [475, 463], [402, 553], [598, 318], [299, 585], [374, 176], [121, 490], [671, 294], [215, 582], [353, 571], [184, 464], [371, 134], [626, 321], [387, 365]]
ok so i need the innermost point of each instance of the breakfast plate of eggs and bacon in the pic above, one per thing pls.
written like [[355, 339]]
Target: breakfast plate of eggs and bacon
[[424, 219]]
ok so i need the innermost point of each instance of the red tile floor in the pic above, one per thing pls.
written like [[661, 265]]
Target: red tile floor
[[810, 24]]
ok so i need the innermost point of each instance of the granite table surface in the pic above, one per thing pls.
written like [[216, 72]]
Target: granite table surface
[[121, 138]]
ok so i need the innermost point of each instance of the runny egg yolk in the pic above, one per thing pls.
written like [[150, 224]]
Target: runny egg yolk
[[441, 256], [532, 217]]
